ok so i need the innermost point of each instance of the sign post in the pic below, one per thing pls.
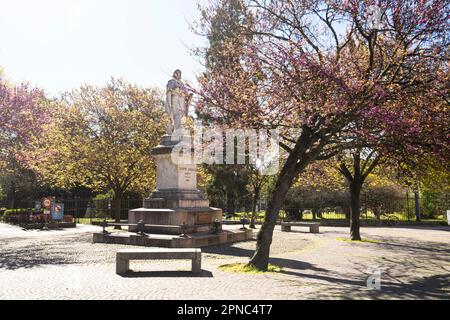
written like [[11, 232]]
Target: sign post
[[57, 211], [47, 203]]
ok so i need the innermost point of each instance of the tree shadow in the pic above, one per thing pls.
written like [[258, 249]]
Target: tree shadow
[[435, 249], [16, 258], [334, 280], [433, 287], [229, 250], [167, 274], [418, 227], [295, 265], [416, 270]]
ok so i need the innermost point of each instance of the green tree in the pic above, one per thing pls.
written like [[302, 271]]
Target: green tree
[[221, 23], [101, 138]]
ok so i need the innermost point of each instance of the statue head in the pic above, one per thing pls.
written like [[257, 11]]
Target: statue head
[[177, 74]]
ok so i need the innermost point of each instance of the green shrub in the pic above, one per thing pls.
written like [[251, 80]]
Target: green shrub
[[16, 216]]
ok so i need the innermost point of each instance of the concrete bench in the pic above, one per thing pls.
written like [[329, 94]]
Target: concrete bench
[[313, 227], [123, 257]]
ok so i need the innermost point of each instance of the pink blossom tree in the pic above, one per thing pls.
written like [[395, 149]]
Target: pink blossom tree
[[326, 74], [23, 116]]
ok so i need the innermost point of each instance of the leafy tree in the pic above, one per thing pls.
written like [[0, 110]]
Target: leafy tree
[[313, 69], [256, 184], [227, 187], [221, 23], [102, 138], [2, 195], [435, 189], [382, 199]]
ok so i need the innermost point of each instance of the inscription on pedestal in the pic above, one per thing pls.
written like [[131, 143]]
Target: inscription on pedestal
[[203, 218], [188, 174]]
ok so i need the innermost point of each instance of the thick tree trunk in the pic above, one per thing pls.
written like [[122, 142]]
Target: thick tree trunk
[[355, 182], [295, 163], [355, 194], [254, 204], [264, 239], [116, 206]]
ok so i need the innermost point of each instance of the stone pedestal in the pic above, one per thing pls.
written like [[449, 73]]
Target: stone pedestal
[[176, 206]]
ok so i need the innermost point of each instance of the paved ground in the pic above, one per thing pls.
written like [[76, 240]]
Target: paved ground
[[414, 263]]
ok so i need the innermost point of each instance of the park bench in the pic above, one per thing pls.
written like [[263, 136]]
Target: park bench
[[123, 257], [313, 226]]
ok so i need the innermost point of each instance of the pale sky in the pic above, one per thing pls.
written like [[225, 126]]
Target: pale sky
[[60, 44]]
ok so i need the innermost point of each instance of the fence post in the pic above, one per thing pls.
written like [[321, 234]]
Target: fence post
[[408, 212], [77, 219], [417, 204]]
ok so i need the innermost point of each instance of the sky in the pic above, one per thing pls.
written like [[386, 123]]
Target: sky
[[58, 45]]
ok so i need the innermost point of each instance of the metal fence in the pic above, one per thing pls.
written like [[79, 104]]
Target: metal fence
[[403, 208], [92, 209]]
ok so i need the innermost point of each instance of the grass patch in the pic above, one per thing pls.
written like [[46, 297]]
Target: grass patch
[[246, 268], [360, 241], [89, 221]]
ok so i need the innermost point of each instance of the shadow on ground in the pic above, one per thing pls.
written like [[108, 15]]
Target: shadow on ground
[[31, 257], [404, 264], [229, 250], [167, 274]]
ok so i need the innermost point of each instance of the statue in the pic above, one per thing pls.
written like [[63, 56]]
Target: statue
[[177, 103]]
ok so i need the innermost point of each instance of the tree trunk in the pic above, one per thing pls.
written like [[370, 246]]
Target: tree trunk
[[347, 211], [116, 206], [295, 163], [300, 214], [264, 239], [355, 194], [417, 204], [314, 212], [320, 214], [231, 209], [292, 214], [254, 204], [12, 195]]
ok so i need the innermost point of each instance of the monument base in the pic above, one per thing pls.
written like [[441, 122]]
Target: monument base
[[197, 240], [176, 206], [175, 221]]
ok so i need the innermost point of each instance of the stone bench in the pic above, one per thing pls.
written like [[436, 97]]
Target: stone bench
[[313, 227], [123, 257]]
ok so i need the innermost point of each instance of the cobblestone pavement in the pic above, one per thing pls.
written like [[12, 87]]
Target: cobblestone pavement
[[414, 263]]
